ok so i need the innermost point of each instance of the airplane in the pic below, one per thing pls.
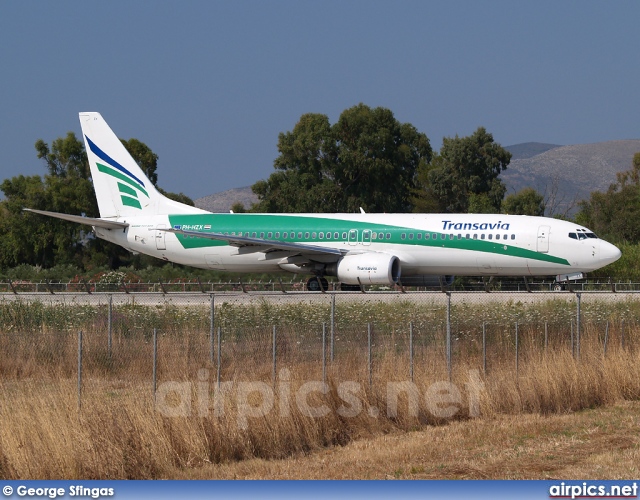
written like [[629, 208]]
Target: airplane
[[357, 248]]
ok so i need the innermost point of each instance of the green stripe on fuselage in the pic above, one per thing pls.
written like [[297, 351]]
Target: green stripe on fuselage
[[250, 223]]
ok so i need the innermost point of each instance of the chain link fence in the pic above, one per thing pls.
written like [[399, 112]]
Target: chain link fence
[[148, 338]]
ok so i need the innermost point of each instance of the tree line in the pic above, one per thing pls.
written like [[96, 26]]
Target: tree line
[[367, 159]]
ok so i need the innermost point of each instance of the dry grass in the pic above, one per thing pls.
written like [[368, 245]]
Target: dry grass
[[602, 443], [119, 433]]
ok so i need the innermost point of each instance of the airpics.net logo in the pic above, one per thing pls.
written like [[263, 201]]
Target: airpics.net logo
[[593, 490], [258, 399]]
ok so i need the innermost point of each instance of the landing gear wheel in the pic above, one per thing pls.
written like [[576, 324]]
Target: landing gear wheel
[[317, 284], [558, 287]]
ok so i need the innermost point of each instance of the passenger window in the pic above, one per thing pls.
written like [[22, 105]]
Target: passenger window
[[443, 236], [513, 236], [451, 236], [475, 236], [380, 236], [344, 236], [482, 236], [262, 235], [491, 236], [293, 235], [410, 236], [269, 235], [277, 235], [299, 236], [419, 236], [321, 236], [388, 236], [328, 236], [284, 235], [427, 236], [336, 236], [403, 236], [306, 236]]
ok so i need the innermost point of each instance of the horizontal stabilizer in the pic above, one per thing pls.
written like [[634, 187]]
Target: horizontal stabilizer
[[89, 221]]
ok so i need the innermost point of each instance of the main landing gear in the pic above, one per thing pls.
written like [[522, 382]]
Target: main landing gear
[[317, 284]]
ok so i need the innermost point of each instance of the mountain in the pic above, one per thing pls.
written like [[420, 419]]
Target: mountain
[[566, 174], [222, 202], [529, 149], [563, 174]]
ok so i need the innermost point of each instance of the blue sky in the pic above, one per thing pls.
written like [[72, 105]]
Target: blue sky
[[208, 85]]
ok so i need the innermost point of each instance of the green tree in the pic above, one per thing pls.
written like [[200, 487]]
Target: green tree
[[525, 202], [464, 176], [37, 240], [367, 159], [615, 215]]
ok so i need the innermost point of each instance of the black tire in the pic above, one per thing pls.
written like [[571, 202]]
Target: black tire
[[313, 285]]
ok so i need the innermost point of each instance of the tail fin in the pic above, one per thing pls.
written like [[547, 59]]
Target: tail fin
[[121, 187]]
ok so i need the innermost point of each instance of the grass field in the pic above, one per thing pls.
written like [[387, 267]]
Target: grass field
[[558, 415]]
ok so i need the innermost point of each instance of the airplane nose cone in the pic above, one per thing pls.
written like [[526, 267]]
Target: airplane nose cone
[[609, 253]]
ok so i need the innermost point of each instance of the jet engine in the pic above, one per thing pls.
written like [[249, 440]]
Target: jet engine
[[367, 269]]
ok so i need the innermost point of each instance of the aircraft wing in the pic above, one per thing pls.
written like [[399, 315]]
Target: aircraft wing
[[259, 244], [89, 221]]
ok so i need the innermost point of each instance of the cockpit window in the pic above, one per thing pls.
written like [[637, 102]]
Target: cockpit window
[[573, 235], [591, 235]]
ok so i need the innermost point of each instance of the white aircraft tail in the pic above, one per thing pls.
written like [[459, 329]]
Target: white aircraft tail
[[121, 187]]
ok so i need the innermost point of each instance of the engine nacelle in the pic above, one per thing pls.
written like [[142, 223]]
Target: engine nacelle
[[369, 268], [427, 280]]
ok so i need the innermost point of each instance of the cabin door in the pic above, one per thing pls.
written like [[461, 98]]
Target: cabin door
[[543, 239], [160, 235]]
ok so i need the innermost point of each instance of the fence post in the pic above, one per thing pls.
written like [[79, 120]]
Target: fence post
[[484, 347], [546, 335], [517, 347], [79, 370], [578, 301], [449, 334], [274, 355], [573, 346], [219, 357], [370, 359], [110, 325], [211, 327], [333, 322], [155, 362], [411, 348], [324, 353]]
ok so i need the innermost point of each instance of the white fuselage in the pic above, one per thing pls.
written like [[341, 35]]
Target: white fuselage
[[425, 244]]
